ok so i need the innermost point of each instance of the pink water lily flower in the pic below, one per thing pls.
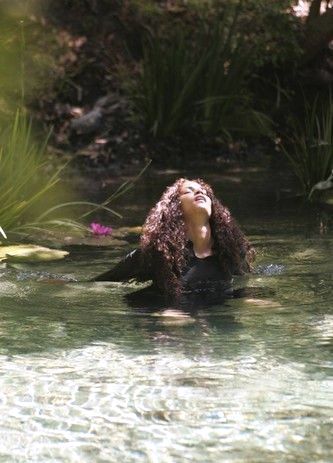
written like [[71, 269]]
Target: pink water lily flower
[[99, 229]]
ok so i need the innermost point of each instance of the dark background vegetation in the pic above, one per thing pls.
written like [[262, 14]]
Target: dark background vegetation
[[176, 81]]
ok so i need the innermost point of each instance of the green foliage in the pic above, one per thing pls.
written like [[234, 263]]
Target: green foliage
[[22, 178], [268, 27], [310, 150], [28, 56], [198, 81], [27, 191], [273, 32]]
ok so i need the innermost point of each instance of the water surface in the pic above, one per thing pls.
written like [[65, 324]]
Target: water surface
[[84, 377]]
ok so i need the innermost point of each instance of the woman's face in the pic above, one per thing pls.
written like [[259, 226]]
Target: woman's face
[[194, 199]]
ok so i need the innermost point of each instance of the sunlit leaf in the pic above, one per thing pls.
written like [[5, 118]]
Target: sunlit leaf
[[30, 253]]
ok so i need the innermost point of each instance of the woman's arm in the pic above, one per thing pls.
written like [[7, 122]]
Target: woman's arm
[[131, 267]]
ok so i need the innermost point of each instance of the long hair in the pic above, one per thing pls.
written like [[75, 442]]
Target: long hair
[[163, 240]]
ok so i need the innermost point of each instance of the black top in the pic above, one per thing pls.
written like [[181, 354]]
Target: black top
[[204, 275], [200, 275]]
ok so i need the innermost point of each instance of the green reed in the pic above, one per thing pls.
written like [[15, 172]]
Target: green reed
[[310, 150], [29, 197], [198, 81], [22, 178]]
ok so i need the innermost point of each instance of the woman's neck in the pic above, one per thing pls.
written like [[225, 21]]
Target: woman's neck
[[201, 237]]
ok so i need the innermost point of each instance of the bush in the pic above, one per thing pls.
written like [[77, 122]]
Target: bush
[[310, 150], [198, 81]]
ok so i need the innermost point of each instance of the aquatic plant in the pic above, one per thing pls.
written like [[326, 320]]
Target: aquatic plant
[[29, 201], [310, 148], [22, 181]]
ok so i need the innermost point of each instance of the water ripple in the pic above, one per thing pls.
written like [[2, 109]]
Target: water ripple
[[75, 404]]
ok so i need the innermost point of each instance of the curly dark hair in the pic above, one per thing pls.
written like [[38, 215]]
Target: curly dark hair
[[163, 240]]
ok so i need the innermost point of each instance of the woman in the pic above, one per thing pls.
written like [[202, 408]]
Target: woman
[[190, 246]]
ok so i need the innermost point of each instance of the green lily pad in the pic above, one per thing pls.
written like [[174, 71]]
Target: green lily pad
[[30, 253], [329, 201], [94, 241], [122, 232], [119, 237], [328, 198]]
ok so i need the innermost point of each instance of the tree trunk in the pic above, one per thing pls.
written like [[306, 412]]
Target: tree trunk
[[319, 31], [314, 11]]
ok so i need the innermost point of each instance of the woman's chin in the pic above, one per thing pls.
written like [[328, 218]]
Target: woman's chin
[[201, 208]]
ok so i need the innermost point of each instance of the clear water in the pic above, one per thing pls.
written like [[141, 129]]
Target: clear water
[[85, 378]]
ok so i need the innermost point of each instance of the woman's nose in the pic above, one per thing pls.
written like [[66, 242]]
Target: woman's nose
[[199, 191]]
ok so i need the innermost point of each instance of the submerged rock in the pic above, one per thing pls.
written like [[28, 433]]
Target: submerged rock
[[89, 123]]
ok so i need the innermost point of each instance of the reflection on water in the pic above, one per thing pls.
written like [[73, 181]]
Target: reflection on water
[[84, 377]]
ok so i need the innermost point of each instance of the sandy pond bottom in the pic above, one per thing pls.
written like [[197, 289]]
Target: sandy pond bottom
[[85, 378]]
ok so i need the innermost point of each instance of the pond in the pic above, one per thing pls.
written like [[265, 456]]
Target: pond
[[86, 378]]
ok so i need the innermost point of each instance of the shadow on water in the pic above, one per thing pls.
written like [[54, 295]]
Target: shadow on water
[[39, 316], [284, 312]]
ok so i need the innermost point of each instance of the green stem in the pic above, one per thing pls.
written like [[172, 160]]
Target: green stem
[[22, 62]]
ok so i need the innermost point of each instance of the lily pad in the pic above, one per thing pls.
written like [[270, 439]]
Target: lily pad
[[124, 231], [328, 198], [93, 241], [119, 237], [30, 253], [329, 201]]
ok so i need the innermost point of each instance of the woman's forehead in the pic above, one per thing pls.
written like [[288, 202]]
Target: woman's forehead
[[191, 184]]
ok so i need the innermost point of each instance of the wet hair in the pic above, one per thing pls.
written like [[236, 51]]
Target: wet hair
[[163, 240]]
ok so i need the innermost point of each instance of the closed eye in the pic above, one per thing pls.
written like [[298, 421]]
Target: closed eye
[[193, 190], [187, 192]]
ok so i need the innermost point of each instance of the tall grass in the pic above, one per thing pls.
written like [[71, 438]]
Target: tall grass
[[198, 82], [22, 178], [29, 199], [310, 148]]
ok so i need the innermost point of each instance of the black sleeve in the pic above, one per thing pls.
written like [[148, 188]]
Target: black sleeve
[[131, 267]]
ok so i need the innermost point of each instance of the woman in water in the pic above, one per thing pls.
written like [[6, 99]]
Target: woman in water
[[190, 247]]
